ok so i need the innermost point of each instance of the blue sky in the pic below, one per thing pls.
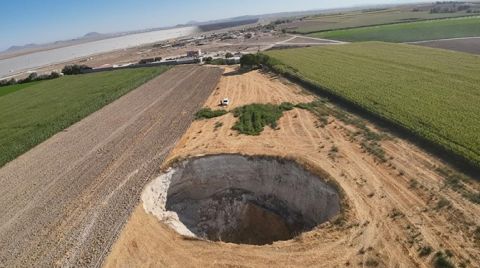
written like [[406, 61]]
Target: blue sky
[[40, 21]]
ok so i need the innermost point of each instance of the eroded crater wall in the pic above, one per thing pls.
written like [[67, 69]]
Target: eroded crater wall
[[237, 199]]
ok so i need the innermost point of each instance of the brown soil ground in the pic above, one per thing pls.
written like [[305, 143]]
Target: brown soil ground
[[471, 45], [393, 208], [64, 202]]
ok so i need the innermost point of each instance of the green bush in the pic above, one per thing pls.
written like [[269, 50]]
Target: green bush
[[286, 106], [5, 82], [254, 117], [276, 65], [208, 60], [440, 260], [75, 69], [207, 113], [425, 251], [249, 61], [218, 62], [473, 197], [443, 202]]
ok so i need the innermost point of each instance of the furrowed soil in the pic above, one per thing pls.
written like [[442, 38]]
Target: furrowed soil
[[394, 208], [468, 45], [64, 202]]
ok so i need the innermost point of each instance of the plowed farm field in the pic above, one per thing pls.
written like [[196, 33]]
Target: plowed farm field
[[63, 202]]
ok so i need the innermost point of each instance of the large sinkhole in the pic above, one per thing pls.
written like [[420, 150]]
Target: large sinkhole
[[239, 199]]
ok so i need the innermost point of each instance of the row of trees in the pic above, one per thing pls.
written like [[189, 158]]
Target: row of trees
[[31, 78], [250, 61], [67, 70], [149, 60], [75, 69]]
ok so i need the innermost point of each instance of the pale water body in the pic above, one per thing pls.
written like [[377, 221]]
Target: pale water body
[[15, 65]]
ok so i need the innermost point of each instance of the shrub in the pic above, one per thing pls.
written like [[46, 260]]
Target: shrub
[[75, 69], [310, 106], [443, 202], [286, 106], [371, 262], [473, 197], [376, 150], [228, 55], [249, 61], [207, 59], [218, 125], [9, 82], [276, 65], [218, 62], [54, 75], [413, 184], [145, 61], [440, 260], [31, 77], [334, 149], [207, 113], [425, 251], [254, 117], [476, 235]]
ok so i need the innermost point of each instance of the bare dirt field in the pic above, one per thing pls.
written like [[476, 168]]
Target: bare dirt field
[[63, 202], [394, 208], [468, 45]]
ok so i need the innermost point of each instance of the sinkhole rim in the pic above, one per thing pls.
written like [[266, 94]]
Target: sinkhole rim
[[243, 199]]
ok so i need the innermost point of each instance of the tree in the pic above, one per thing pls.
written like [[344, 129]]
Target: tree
[[32, 77], [12, 81], [207, 59], [54, 75], [75, 69], [248, 61], [228, 55]]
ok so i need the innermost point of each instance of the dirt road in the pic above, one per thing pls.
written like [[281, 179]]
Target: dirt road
[[63, 202], [395, 209]]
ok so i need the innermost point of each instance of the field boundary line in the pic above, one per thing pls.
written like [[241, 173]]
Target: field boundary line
[[318, 39], [444, 39]]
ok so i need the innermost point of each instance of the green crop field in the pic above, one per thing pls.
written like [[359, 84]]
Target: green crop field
[[409, 32], [360, 19], [10, 89], [33, 112], [433, 93]]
